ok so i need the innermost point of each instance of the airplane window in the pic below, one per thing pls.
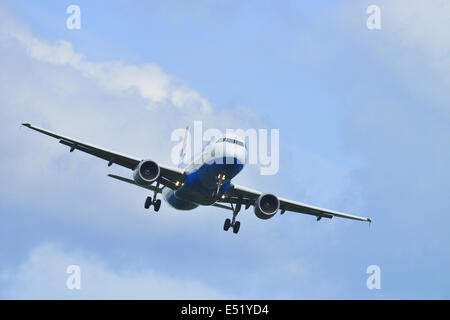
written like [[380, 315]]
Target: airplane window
[[234, 141]]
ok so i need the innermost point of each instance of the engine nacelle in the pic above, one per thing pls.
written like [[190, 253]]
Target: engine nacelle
[[266, 206], [146, 172]]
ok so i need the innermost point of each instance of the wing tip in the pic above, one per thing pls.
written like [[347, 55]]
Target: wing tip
[[26, 124]]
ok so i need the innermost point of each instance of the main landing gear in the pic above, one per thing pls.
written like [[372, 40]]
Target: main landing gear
[[233, 223], [155, 202]]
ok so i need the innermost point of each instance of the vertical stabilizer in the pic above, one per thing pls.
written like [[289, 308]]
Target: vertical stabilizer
[[183, 150]]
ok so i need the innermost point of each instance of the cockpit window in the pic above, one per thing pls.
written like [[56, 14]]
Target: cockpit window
[[234, 141]]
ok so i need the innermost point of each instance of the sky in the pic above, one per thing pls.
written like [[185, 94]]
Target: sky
[[364, 123]]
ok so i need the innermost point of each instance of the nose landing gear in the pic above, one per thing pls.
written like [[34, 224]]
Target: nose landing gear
[[220, 180]]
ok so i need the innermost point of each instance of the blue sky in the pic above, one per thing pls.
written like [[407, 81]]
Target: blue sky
[[364, 128]]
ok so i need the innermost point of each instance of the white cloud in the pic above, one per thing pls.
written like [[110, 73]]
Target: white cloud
[[131, 109], [128, 108], [149, 80], [420, 25], [43, 276], [412, 46]]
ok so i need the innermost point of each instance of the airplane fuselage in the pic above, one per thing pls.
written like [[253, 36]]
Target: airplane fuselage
[[209, 174]]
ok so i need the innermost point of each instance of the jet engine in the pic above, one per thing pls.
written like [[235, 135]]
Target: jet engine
[[146, 172], [266, 206]]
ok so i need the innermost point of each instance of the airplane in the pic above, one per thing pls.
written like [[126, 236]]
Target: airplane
[[205, 181]]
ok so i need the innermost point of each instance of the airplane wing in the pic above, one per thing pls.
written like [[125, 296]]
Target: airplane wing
[[170, 174], [248, 197]]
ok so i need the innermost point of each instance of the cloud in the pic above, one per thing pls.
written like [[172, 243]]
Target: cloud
[[399, 120], [62, 195], [43, 276], [148, 80], [123, 107], [417, 24], [392, 125], [411, 49], [420, 31]]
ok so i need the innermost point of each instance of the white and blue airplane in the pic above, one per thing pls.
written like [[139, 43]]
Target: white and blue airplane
[[206, 181]]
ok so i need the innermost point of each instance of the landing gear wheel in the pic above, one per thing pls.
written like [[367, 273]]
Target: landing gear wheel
[[227, 224], [157, 205], [236, 227], [148, 202]]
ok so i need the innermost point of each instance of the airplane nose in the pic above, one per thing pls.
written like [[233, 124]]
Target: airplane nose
[[240, 154], [232, 153]]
